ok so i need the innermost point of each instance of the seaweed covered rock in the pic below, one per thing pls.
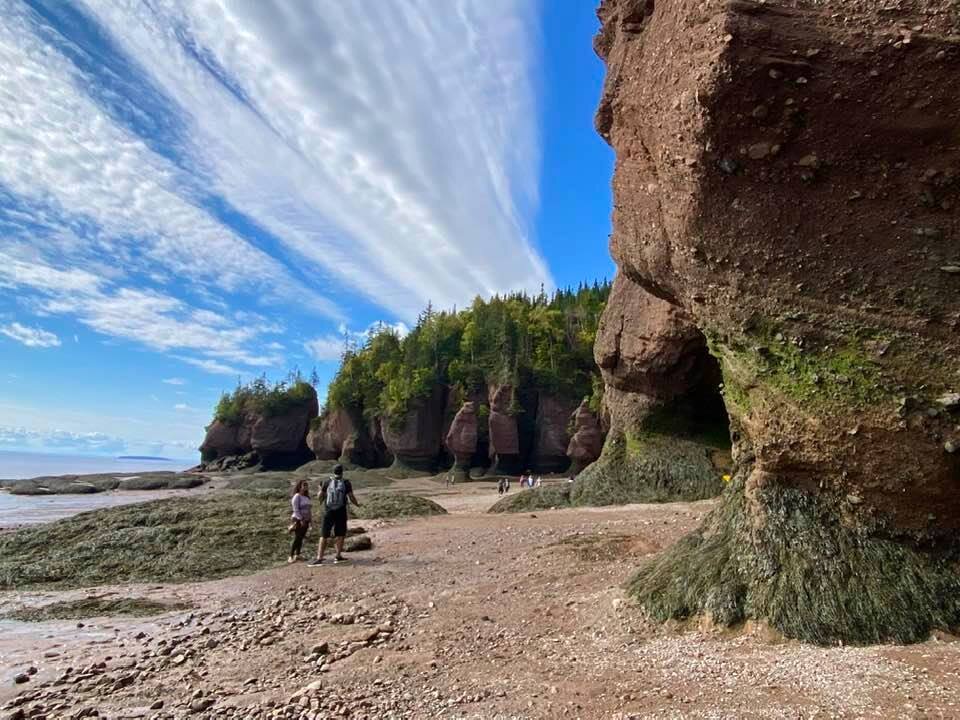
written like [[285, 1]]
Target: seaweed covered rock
[[661, 394], [788, 178], [260, 425]]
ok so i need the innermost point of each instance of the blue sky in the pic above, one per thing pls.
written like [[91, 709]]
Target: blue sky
[[193, 191]]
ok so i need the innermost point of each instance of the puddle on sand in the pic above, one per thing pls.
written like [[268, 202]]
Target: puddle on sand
[[17, 510]]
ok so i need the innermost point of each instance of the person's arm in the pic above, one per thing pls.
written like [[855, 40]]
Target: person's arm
[[322, 499], [353, 498]]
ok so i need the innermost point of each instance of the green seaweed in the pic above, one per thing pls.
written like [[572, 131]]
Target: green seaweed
[[802, 571]]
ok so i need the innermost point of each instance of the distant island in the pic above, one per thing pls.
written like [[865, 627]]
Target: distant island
[[144, 457]]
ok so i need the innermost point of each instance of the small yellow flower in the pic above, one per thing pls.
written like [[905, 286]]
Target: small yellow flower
[[726, 478]]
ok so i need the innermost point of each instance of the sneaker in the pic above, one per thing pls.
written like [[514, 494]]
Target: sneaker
[[291, 559], [315, 562], [339, 559]]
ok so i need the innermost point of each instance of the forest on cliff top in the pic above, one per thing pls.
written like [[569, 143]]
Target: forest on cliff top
[[544, 342]]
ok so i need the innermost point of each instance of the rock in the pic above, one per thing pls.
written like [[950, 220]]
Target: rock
[[339, 435], [552, 434], [357, 543], [414, 439], [660, 382], [758, 151], [202, 704], [157, 705], [320, 649], [277, 441], [732, 277], [461, 439], [21, 678], [587, 440], [503, 431]]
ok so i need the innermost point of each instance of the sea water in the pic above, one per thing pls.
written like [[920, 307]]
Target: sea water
[[17, 510], [17, 465]]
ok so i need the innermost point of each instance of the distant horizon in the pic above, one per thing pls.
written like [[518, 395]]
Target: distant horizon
[[100, 456], [24, 464]]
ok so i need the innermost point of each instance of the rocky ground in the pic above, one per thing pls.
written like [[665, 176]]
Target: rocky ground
[[468, 615]]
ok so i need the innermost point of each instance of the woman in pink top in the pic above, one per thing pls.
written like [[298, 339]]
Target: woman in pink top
[[301, 518]]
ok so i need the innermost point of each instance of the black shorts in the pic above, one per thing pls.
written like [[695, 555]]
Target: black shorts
[[334, 523]]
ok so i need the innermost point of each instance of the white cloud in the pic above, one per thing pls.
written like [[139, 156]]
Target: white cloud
[[211, 366], [98, 190], [394, 149], [174, 381], [147, 317], [182, 407], [326, 348], [31, 337], [60, 440], [330, 347]]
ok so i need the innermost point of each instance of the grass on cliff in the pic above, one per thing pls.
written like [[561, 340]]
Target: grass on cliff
[[171, 540], [802, 572], [95, 607], [528, 500]]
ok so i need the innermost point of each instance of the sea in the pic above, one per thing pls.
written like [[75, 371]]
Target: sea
[[20, 510], [18, 465]]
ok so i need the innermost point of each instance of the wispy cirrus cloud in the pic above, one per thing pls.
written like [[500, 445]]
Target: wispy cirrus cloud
[[395, 149], [30, 336], [179, 173], [146, 317], [174, 381]]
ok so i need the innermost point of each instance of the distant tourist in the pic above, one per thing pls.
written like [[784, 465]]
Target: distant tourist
[[506, 485], [301, 518], [501, 486], [335, 492], [538, 482]]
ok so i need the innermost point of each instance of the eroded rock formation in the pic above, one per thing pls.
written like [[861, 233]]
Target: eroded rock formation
[[340, 436], [788, 178], [552, 434], [414, 440], [586, 442], [270, 441], [504, 432], [661, 394], [461, 439]]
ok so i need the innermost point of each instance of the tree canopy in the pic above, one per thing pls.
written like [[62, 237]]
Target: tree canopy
[[543, 342]]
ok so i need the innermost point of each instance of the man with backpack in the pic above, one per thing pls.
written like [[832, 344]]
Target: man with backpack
[[335, 492]]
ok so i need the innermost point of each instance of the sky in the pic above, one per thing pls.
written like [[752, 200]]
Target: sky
[[194, 192]]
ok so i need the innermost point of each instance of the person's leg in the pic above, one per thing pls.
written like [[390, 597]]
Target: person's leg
[[340, 531], [339, 542], [297, 542], [323, 547]]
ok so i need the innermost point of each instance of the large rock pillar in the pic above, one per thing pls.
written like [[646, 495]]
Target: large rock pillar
[[788, 177]]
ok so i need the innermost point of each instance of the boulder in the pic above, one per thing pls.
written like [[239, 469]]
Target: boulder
[[414, 439], [790, 188], [587, 440], [551, 434]]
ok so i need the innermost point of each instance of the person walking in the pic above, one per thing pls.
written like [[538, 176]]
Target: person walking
[[301, 518], [335, 492]]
